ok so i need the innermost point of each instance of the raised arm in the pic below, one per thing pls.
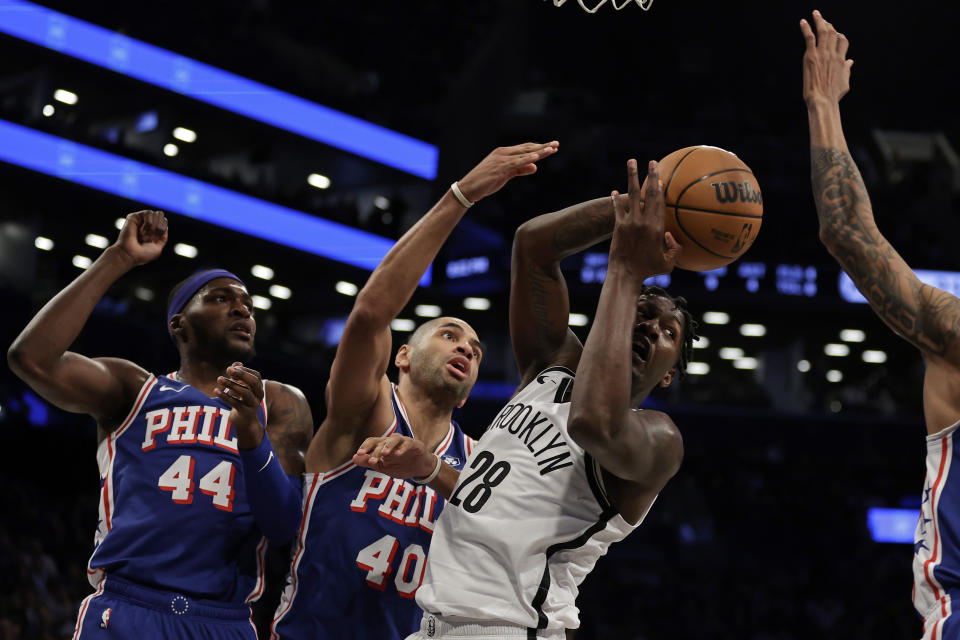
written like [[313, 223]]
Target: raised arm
[[102, 387], [641, 447], [925, 316], [539, 301], [358, 391]]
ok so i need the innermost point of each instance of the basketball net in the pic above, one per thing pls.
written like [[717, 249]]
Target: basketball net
[[643, 4]]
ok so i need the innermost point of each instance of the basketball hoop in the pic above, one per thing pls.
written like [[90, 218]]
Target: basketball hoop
[[643, 4]]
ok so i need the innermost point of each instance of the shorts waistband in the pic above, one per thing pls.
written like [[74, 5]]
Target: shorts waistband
[[176, 603], [433, 626]]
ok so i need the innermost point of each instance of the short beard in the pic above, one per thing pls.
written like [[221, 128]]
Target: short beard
[[219, 348], [431, 379]]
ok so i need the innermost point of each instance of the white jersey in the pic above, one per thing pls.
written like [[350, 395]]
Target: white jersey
[[526, 521]]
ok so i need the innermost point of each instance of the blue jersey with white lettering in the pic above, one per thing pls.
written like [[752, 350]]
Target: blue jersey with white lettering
[[173, 505], [362, 548]]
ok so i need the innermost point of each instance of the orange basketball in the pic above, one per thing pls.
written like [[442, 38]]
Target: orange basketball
[[714, 206]]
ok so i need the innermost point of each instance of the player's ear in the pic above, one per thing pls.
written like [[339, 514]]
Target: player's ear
[[177, 326], [402, 359], [668, 378]]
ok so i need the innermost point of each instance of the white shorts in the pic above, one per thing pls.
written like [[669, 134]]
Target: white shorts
[[435, 628]]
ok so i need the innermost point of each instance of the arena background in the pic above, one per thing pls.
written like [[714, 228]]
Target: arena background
[[764, 532]]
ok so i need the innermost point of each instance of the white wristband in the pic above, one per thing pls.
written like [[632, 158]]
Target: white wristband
[[433, 474], [459, 195]]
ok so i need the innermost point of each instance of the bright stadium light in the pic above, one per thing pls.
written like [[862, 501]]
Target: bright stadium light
[[834, 375], [185, 250], [185, 135], [803, 366], [262, 272], [280, 291], [702, 343], [745, 363], [852, 335], [874, 356], [730, 353], [716, 317], [49, 110], [753, 330], [64, 96], [476, 304], [698, 368], [42, 243], [402, 324], [427, 310], [94, 240], [578, 320], [261, 303], [318, 180], [82, 262], [836, 350], [346, 288]]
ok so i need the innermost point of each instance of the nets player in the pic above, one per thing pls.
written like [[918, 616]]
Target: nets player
[[191, 486], [363, 544], [925, 316], [568, 466]]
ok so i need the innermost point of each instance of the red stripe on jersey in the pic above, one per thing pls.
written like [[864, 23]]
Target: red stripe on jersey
[[83, 608], [106, 483], [944, 452], [445, 444], [295, 563], [258, 588], [141, 398]]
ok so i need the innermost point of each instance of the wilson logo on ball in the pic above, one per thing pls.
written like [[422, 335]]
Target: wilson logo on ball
[[733, 191]]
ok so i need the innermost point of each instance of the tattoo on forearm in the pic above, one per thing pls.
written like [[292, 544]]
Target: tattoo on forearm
[[584, 228], [927, 317], [288, 433]]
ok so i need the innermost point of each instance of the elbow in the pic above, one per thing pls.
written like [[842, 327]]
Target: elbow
[[18, 359], [368, 312]]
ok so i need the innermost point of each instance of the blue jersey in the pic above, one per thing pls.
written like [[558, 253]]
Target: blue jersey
[[362, 549], [173, 505], [936, 560]]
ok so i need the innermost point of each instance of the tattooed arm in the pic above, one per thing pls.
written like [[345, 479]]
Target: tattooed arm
[[925, 316], [539, 302]]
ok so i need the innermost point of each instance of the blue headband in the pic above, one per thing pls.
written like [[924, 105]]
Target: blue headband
[[190, 288]]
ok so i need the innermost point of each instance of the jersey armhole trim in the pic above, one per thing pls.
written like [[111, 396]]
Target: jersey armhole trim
[[595, 480]]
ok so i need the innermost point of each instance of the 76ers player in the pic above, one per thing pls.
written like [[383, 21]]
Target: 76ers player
[[190, 482], [569, 466], [363, 545], [925, 316]]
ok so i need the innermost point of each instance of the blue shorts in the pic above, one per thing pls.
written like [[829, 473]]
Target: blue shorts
[[120, 609]]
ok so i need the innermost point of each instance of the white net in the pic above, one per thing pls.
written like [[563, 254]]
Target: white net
[[643, 4]]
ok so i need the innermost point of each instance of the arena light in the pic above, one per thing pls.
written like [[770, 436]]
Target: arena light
[[892, 525], [852, 335], [210, 203], [716, 317], [753, 330], [346, 288], [64, 96], [262, 272], [185, 135], [702, 343], [119, 222], [402, 324], [185, 250], [43, 243], [476, 304], [427, 310], [82, 262], [174, 72], [318, 180], [803, 366], [281, 292], [144, 294], [730, 353], [260, 302], [745, 363], [97, 241], [836, 350], [874, 356], [170, 149], [834, 375], [578, 320], [698, 368], [48, 110]]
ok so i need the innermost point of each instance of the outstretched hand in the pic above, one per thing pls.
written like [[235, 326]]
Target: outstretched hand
[[826, 69], [639, 239], [503, 164], [396, 455], [143, 236]]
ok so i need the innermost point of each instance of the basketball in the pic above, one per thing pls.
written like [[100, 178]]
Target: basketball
[[714, 206]]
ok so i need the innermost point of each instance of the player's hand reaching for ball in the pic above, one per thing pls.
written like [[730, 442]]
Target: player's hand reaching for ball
[[142, 237], [503, 164], [639, 240], [396, 455], [826, 69], [242, 389]]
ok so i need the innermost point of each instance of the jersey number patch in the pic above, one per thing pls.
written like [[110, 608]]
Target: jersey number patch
[[488, 474], [377, 560], [218, 482]]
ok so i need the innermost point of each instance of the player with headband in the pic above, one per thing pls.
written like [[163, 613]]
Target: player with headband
[[193, 465]]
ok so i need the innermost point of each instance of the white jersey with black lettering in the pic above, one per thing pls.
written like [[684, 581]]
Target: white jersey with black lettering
[[526, 521]]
